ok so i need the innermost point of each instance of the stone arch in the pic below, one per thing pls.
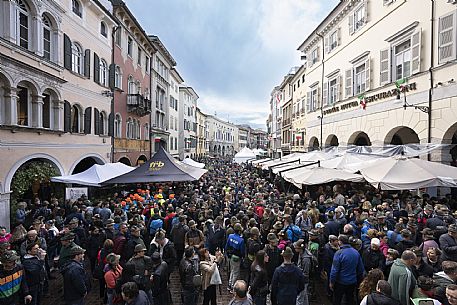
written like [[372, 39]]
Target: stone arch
[[125, 160], [18, 164], [332, 140], [450, 137], [141, 159], [359, 138], [401, 135], [86, 161], [313, 144]]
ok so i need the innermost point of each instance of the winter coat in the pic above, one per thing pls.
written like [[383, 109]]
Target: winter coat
[[259, 282], [442, 280], [373, 259], [347, 267], [141, 264], [332, 228], [274, 259], [13, 285], [130, 246], [207, 269], [431, 243], [187, 272], [402, 281], [119, 245], [384, 247], [423, 269], [288, 281], [178, 234], [141, 299], [403, 245], [449, 247], [75, 283], [167, 253], [35, 274], [160, 284], [111, 276], [327, 257], [305, 263], [377, 298], [194, 237], [435, 222], [215, 239]]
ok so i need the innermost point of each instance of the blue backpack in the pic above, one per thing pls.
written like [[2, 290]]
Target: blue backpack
[[155, 225], [294, 233]]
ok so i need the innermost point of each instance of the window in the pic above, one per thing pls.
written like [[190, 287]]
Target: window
[[131, 85], [118, 77], [402, 60], [447, 27], [76, 118], [103, 29], [314, 57], [103, 123], [103, 73], [313, 99], [117, 126], [118, 36], [176, 124], [359, 79], [147, 64], [176, 143], [358, 19], [47, 28], [331, 91], [146, 132], [171, 122], [46, 116], [129, 47], [22, 24], [76, 7], [139, 57], [76, 58], [129, 129], [333, 40], [23, 106]]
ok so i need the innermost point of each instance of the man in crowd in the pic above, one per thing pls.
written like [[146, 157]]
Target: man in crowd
[[401, 277]]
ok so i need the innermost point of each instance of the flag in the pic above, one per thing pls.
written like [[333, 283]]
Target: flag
[[399, 83], [363, 101]]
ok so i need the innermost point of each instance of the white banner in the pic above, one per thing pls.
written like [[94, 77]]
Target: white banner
[[74, 193]]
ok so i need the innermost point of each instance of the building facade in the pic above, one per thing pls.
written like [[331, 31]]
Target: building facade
[[275, 124], [202, 134], [222, 136], [187, 143], [286, 109], [132, 88], [243, 135], [174, 124], [53, 110]]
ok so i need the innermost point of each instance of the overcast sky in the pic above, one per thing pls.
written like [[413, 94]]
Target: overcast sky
[[232, 52]]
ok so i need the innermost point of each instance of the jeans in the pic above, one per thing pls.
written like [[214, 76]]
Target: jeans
[[259, 300], [189, 296], [340, 290], [110, 295], [209, 295], [302, 297], [234, 271]]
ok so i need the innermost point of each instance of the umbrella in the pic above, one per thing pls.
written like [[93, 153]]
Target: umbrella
[[406, 174], [319, 175]]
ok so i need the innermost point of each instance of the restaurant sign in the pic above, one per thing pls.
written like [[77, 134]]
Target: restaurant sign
[[371, 98]]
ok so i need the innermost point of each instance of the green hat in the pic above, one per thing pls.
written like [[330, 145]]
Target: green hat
[[287, 252]]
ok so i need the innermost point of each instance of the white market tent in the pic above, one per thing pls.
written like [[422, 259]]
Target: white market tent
[[193, 163], [244, 155], [259, 151], [405, 174], [96, 174], [302, 158], [319, 175], [255, 162], [349, 161]]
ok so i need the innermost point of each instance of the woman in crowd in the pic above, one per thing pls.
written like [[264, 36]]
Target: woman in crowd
[[113, 272], [210, 274], [259, 279]]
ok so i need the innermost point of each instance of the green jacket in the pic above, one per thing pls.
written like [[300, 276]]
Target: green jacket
[[402, 281], [64, 256]]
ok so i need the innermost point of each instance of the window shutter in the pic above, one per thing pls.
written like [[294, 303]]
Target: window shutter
[[96, 121], [447, 38], [365, 10], [112, 76], [308, 101], [367, 74], [111, 125], [351, 23], [318, 51], [319, 97], [326, 44], [87, 120], [416, 51], [384, 77], [96, 68], [338, 33], [309, 60], [325, 98], [66, 116], [348, 83], [87, 63], [67, 52]]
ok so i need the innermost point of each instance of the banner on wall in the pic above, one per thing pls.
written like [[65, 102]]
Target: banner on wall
[[74, 193]]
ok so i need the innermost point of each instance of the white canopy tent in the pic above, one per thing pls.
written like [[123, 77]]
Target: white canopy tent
[[348, 161], [304, 158], [259, 152], [318, 175], [244, 155], [406, 174], [255, 162], [96, 174], [193, 163]]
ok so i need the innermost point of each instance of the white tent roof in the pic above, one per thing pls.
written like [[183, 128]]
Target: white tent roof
[[259, 151], [349, 162], [193, 163], [244, 155], [406, 174], [319, 175], [260, 160], [96, 174]]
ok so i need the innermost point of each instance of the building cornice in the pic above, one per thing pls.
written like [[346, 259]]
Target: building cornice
[[162, 49]]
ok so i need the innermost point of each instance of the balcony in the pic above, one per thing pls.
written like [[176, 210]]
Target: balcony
[[139, 105]]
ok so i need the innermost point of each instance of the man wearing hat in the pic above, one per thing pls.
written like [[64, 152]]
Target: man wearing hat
[[273, 257], [68, 244], [305, 263], [135, 239], [234, 249], [159, 279], [32, 238], [253, 245], [109, 229], [75, 282], [406, 242], [166, 249], [448, 243], [13, 286], [194, 237], [141, 262], [178, 235], [288, 280], [215, 236]]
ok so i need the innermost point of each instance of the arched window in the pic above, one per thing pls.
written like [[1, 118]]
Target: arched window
[[131, 86], [103, 29], [146, 132], [129, 129], [138, 87], [22, 24], [47, 44], [118, 77], [103, 73], [76, 119], [118, 126], [138, 130], [46, 111], [23, 113], [103, 123], [76, 58], [76, 7]]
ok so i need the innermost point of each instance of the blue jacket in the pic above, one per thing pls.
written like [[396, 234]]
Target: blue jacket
[[347, 267], [288, 281], [75, 282], [235, 245]]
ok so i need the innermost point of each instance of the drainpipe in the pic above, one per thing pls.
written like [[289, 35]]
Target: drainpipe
[[322, 86], [430, 70], [113, 65]]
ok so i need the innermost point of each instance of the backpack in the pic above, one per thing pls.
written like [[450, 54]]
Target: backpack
[[296, 233], [155, 225]]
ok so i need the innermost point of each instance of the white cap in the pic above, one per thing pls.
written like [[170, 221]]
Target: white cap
[[319, 225], [375, 241]]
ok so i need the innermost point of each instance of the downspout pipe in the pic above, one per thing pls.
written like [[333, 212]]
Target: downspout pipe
[[113, 34], [430, 70], [322, 87]]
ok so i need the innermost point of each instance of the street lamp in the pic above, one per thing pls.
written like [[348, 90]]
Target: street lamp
[[401, 89], [321, 117]]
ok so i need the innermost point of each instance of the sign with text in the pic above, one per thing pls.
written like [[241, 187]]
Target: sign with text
[[74, 193]]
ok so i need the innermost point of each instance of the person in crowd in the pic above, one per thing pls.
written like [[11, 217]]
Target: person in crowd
[[76, 284], [133, 296], [178, 234], [369, 283], [346, 273], [209, 269], [425, 288], [32, 238], [159, 279], [68, 244], [240, 294], [445, 278], [4, 236], [94, 244], [35, 273], [433, 258], [235, 250], [406, 242], [187, 272], [253, 245], [135, 239], [382, 295], [306, 262], [372, 257], [401, 277], [420, 267], [259, 279], [112, 274], [448, 244], [165, 248], [451, 294], [392, 255], [120, 242], [288, 280], [13, 284], [428, 240], [215, 236]]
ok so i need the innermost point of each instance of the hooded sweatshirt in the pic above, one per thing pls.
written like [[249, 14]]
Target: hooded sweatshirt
[[402, 281]]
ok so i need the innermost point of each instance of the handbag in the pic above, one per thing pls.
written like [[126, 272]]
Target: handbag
[[216, 277], [197, 280]]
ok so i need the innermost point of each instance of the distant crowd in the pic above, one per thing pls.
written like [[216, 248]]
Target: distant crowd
[[362, 245]]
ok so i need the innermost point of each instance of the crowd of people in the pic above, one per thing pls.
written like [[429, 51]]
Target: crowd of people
[[357, 244]]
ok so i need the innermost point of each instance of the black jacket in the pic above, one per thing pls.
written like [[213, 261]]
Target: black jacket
[[186, 273], [215, 239], [178, 234], [404, 245], [373, 259], [288, 281], [168, 255], [449, 247], [35, 273], [75, 282], [6, 278], [377, 298], [160, 284], [259, 282]]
